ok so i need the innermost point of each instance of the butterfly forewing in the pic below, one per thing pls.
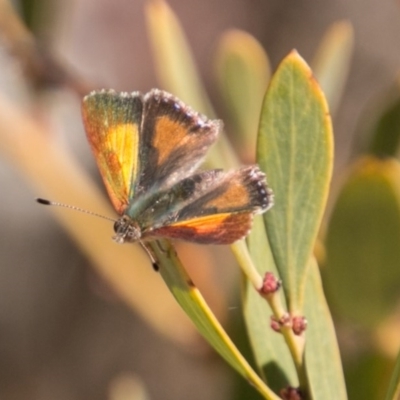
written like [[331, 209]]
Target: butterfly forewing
[[112, 123], [175, 140]]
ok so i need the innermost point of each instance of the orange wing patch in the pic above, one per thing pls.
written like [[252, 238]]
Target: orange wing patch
[[124, 141], [117, 162], [236, 195], [168, 135], [212, 229], [110, 170]]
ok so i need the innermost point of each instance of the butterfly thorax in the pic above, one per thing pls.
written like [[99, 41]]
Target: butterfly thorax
[[126, 230]]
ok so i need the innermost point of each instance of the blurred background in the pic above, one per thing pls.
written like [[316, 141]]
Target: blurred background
[[65, 333]]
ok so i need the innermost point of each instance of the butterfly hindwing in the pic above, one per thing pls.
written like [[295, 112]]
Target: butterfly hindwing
[[162, 207], [223, 228], [223, 211], [241, 190], [113, 125]]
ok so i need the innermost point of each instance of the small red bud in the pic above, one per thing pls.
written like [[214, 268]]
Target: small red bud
[[291, 393], [270, 284], [299, 324], [284, 321], [275, 325]]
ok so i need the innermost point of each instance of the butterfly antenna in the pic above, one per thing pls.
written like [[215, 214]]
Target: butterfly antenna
[[57, 204]]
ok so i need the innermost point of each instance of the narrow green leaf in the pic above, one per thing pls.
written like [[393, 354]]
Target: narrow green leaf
[[394, 386], [190, 299], [295, 149], [243, 72], [269, 348], [332, 61], [363, 243], [322, 357], [173, 58]]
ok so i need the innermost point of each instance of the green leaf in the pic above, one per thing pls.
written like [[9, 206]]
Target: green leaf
[[363, 243], [394, 386], [295, 149], [367, 375], [190, 299], [385, 133], [243, 73], [322, 357], [332, 61], [269, 348]]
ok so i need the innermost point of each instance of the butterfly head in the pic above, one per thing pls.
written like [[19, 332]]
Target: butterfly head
[[126, 230]]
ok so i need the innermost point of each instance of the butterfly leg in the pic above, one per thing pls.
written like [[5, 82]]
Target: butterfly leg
[[151, 255]]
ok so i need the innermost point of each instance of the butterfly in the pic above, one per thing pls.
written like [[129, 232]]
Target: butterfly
[[148, 148]]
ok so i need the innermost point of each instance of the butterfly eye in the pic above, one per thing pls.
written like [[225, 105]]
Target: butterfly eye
[[118, 225]]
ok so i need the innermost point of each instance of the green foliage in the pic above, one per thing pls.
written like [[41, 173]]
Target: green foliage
[[270, 351], [394, 385], [386, 133], [196, 308], [362, 242], [322, 358], [243, 73], [295, 148]]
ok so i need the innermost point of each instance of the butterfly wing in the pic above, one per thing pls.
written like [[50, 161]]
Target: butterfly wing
[[163, 207], [220, 212], [223, 228], [175, 141], [113, 124], [144, 144]]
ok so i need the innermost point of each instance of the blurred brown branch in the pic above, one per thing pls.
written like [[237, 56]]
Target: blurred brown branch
[[40, 67]]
